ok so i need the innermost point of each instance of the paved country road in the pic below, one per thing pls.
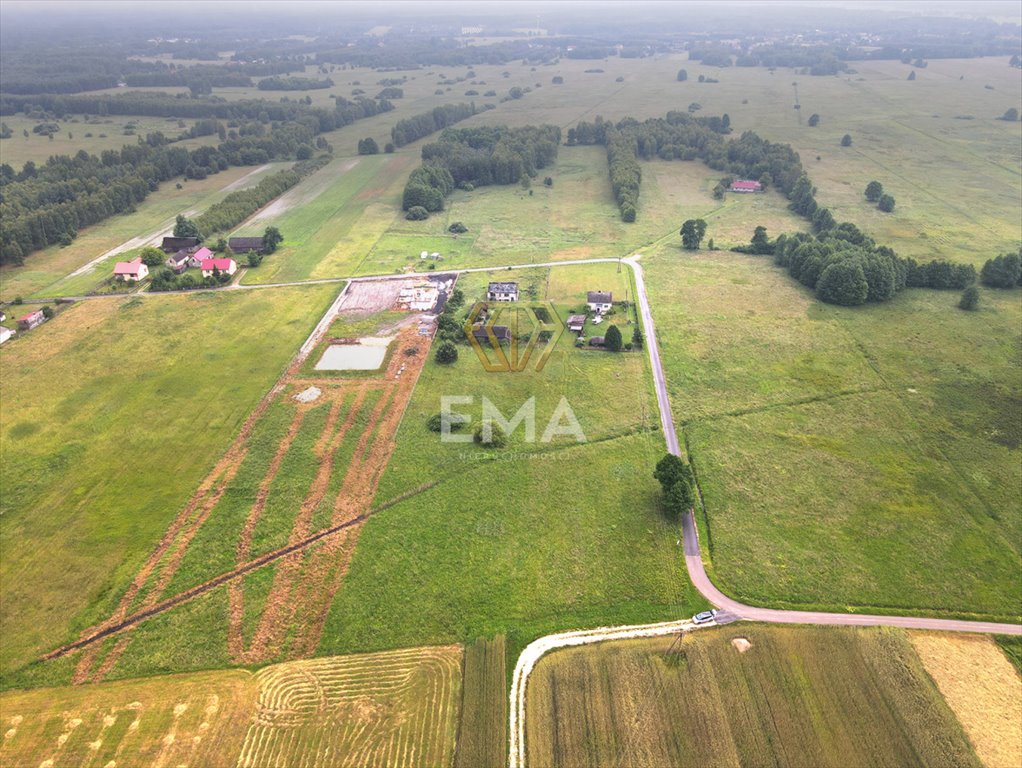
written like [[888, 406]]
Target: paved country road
[[694, 559]]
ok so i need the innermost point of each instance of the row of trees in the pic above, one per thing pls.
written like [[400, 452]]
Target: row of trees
[[238, 206], [625, 174], [292, 83], [472, 157], [418, 126], [153, 104]]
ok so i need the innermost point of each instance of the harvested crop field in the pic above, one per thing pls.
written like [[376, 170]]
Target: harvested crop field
[[397, 708], [983, 689], [797, 696], [482, 738], [194, 720]]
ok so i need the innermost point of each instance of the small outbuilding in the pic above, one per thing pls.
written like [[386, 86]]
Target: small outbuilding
[[576, 323], [600, 302], [131, 271], [5, 334], [245, 244], [501, 332], [502, 292], [175, 244], [596, 341]]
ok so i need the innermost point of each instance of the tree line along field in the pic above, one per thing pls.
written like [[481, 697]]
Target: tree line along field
[[847, 457], [399, 708], [113, 413], [786, 696]]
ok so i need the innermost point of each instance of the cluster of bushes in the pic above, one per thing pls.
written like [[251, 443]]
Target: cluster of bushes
[[677, 481], [875, 194], [391, 93], [292, 83], [844, 266], [417, 126], [1002, 271], [165, 280], [472, 157], [368, 147], [238, 206]]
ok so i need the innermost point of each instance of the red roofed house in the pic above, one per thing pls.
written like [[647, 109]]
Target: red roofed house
[[196, 259], [131, 271], [223, 266], [743, 185], [31, 320]]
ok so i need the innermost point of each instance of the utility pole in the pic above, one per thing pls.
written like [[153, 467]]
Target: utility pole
[[798, 107]]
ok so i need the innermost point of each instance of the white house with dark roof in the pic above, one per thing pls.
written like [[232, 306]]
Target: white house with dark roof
[[600, 302], [502, 292]]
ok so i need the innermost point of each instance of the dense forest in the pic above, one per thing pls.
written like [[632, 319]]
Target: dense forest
[[474, 157], [418, 126]]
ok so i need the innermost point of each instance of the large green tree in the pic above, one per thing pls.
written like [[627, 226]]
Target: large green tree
[[185, 228], [874, 190], [612, 339], [843, 282], [692, 232]]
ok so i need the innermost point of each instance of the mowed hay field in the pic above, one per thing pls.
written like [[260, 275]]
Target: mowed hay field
[[847, 457], [113, 413], [796, 696], [165, 721], [482, 732], [387, 709], [390, 709], [983, 689]]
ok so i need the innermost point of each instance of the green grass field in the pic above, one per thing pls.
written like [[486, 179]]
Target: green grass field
[[820, 697], [48, 273], [112, 414], [847, 457]]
